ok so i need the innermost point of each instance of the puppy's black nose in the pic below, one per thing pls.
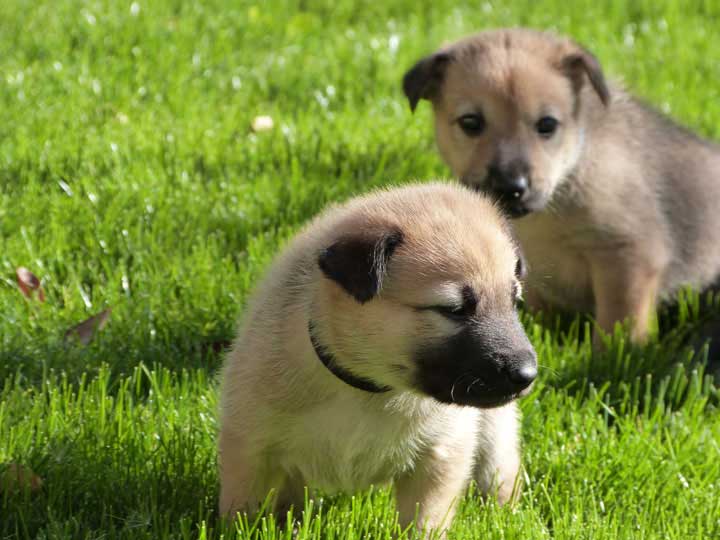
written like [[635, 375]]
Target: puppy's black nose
[[522, 370], [513, 188], [509, 181]]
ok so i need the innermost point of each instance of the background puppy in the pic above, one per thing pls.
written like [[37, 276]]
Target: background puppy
[[616, 204], [383, 346]]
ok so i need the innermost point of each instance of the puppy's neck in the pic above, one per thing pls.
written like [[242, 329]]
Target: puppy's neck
[[329, 361]]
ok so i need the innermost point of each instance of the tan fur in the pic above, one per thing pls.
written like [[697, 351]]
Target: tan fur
[[625, 209], [287, 422]]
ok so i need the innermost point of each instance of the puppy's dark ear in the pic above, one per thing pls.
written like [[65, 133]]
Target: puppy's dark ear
[[357, 262], [423, 80], [580, 64]]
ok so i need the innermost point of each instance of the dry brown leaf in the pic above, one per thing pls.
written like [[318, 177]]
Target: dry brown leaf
[[15, 477], [85, 331], [29, 282]]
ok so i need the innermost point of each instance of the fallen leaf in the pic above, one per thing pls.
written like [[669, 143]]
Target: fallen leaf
[[29, 282], [17, 477], [85, 331], [262, 123]]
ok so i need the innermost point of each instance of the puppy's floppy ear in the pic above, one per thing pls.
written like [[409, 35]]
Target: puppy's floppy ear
[[581, 63], [423, 80], [357, 261]]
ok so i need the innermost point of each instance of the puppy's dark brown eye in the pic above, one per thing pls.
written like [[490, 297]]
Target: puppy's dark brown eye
[[547, 126], [472, 124], [455, 313], [461, 312]]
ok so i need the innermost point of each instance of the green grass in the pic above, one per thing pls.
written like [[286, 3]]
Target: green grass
[[129, 178]]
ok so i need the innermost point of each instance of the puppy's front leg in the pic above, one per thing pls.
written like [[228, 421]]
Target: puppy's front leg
[[625, 288], [245, 480], [429, 494], [498, 457]]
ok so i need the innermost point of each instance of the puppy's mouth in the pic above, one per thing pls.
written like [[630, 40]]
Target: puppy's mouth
[[468, 390], [514, 204], [514, 209], [517, 207]]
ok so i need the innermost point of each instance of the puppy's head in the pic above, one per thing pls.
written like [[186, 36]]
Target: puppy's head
[[509, 111], [417, 292]]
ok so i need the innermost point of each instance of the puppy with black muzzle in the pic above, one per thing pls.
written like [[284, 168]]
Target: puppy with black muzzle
[[616, 205], [382, 347]]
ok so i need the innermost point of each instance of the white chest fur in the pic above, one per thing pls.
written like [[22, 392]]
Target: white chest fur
[[360, 440]]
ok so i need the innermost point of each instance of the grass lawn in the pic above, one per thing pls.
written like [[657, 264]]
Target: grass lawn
[[129, 178]]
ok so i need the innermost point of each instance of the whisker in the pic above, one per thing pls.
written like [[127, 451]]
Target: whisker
[[548, 368], [478, 380], [452, 388]]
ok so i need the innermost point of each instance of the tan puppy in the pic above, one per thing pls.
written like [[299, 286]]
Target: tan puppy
[[616, 205], [383, 346]]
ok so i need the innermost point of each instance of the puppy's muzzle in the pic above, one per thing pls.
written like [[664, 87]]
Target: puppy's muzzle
[[486, 364]]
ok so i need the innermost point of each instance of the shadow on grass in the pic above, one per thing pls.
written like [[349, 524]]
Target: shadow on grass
[[30, 364], [170, 494], [145, 496], [681, 359]]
